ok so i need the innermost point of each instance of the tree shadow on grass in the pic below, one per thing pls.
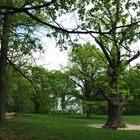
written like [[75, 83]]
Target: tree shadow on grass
[[10, 135]]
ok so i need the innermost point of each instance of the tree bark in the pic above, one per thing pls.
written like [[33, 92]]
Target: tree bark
[[3, 64], [115, 102], [114, 116], [89, 111]]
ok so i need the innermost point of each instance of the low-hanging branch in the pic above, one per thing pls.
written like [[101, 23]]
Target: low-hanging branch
[[26, 9], [62, 29], [17, 69]]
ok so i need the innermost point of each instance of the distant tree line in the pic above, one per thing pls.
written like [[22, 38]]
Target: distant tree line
[[75, 90]]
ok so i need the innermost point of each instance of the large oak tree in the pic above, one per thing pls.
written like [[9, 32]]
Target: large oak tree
[[111, 24], [120, 19]]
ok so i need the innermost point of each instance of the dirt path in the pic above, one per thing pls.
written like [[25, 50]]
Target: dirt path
[[128, 126], [9, 115]]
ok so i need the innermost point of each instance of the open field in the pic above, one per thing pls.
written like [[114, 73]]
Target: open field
[[63, 127]]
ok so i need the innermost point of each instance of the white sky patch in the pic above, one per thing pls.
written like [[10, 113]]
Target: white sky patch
[[136, 47], [69, 21], [52, 58]]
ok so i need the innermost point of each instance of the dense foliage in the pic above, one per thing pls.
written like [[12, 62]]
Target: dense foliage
[[49, 92]]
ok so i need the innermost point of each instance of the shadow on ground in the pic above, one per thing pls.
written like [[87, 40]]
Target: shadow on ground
[[9, 135]]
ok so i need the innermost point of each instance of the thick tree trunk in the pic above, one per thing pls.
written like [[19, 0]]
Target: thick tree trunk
[[114, 102], [3, 61], [114, 116]]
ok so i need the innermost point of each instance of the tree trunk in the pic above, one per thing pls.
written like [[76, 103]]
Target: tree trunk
[[54, 104], [114, 116], [89, 111], [63, 103], [3, 63], [115, 103]]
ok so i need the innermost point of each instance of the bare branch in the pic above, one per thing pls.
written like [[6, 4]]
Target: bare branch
[[125, 26], [83, 90], [133, 58]]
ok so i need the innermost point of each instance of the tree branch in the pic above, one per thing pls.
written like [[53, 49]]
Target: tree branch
[[103, 49], [133, 58], [127, 102], [83, 90], [101, 91], [15, 67], [14, 10], [62, 29], [26, 10]]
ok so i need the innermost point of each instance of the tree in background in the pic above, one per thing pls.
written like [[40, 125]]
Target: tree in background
[[87, 70], [19, 93], [132, 80], [53, 90], [62, 87]]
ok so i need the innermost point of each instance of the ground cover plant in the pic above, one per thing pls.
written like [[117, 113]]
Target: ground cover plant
[[63, 127]]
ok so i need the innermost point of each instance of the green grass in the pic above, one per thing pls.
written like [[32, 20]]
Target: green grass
[[60, 127]]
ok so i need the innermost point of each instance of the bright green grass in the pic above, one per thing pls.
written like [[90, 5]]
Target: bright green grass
[[59, 127]]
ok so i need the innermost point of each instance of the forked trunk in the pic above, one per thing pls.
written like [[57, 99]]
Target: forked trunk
[[114, 116]]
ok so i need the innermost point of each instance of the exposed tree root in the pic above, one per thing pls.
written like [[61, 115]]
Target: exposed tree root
[[114, 125]]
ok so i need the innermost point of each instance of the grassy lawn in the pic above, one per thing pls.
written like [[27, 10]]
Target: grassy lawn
[[60, 127]]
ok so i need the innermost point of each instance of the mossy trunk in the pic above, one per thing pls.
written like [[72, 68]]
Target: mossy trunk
[[114, 116], [115, 101]]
